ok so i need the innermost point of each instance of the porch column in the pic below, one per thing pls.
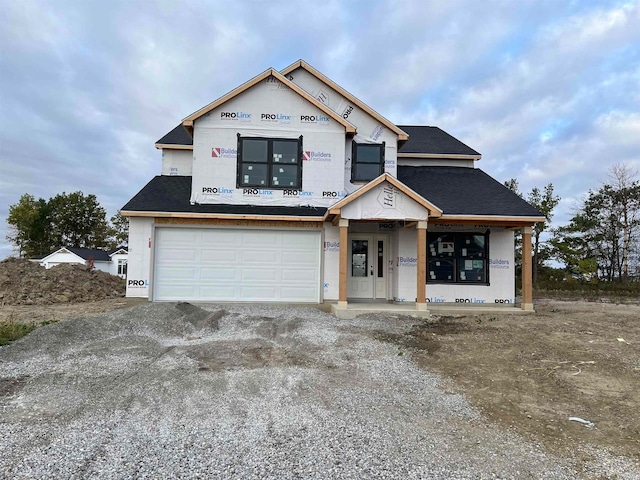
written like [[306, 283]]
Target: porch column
[[344, 248], [421, 300], [527, 292]]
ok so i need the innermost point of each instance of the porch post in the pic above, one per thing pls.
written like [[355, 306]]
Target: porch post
[[344, 248], [527, 291], [421, 300]]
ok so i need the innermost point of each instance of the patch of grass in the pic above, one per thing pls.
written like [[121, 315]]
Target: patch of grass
[[11, 331], [480, 320]]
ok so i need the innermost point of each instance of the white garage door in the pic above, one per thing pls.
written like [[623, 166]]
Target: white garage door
[[207, 264]]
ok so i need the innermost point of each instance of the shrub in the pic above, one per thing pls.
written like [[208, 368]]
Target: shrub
[[11, 331]]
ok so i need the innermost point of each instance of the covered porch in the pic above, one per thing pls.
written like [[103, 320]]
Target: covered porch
[[386, 199]]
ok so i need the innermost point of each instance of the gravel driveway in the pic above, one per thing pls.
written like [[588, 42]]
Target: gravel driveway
[[174, 390]]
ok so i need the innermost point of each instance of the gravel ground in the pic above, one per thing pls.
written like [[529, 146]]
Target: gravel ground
[[166, 390]]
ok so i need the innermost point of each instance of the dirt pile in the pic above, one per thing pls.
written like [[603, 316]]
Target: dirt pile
[[26, 283]]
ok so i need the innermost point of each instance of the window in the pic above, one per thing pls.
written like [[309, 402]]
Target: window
[[457, 257], [269, 162], [122, 267], [367, 161]]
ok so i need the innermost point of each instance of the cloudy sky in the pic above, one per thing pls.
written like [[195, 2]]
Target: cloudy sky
[[547, 91]]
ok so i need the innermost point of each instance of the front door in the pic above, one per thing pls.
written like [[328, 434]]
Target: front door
[[367, 263]]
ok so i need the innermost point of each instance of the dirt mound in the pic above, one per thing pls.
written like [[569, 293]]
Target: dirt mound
[[26, 283]]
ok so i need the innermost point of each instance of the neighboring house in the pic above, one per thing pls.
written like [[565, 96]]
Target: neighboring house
[[112, 261], [290, 189]]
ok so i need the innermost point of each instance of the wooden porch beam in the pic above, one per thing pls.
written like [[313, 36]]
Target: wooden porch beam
[[527, 270], [421, 296], [344, 247]]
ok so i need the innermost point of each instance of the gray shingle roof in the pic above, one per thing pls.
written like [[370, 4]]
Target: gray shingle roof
[[177, 136], [464, 191], [423, 139], [173, 194], [456, 190], [86, 253]]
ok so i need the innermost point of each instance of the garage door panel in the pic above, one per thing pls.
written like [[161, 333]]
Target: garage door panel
[[261, 238], [224, 255], [299, 240], [176, 292], [259, 257], [263, 293], [217, 264], [179, 255], [216, 292], [208, 274], [264, 274], [178, 236], [218, 237], [298, 294], [185, 274], [300, 258], [299, 275]]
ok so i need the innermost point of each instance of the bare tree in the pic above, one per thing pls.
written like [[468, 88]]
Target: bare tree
[[624, 182]]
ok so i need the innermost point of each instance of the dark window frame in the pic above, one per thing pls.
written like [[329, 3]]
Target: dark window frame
[[269, 163], [455, 258], [355, 177]]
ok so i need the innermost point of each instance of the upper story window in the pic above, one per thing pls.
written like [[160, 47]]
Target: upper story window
[[269, 162], [457, 257], [367, 161]]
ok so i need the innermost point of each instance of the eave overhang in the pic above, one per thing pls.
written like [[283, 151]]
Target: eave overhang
[[225, 216], [452, 156], [170, 146], [489, 220]]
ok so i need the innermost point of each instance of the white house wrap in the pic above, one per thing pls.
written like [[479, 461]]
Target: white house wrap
[[289, 188]]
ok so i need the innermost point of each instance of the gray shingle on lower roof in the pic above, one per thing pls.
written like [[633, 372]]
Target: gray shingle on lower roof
[[465, 191], [87, 253], [172, 194], [456, 190]]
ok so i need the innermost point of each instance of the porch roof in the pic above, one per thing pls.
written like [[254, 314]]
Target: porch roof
[[466, 191], [433, 210]]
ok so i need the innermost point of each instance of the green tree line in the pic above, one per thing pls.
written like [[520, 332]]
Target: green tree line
[[39, 227], [601, 241]]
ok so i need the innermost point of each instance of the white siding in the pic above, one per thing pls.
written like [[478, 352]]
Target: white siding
[[139, 268]]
